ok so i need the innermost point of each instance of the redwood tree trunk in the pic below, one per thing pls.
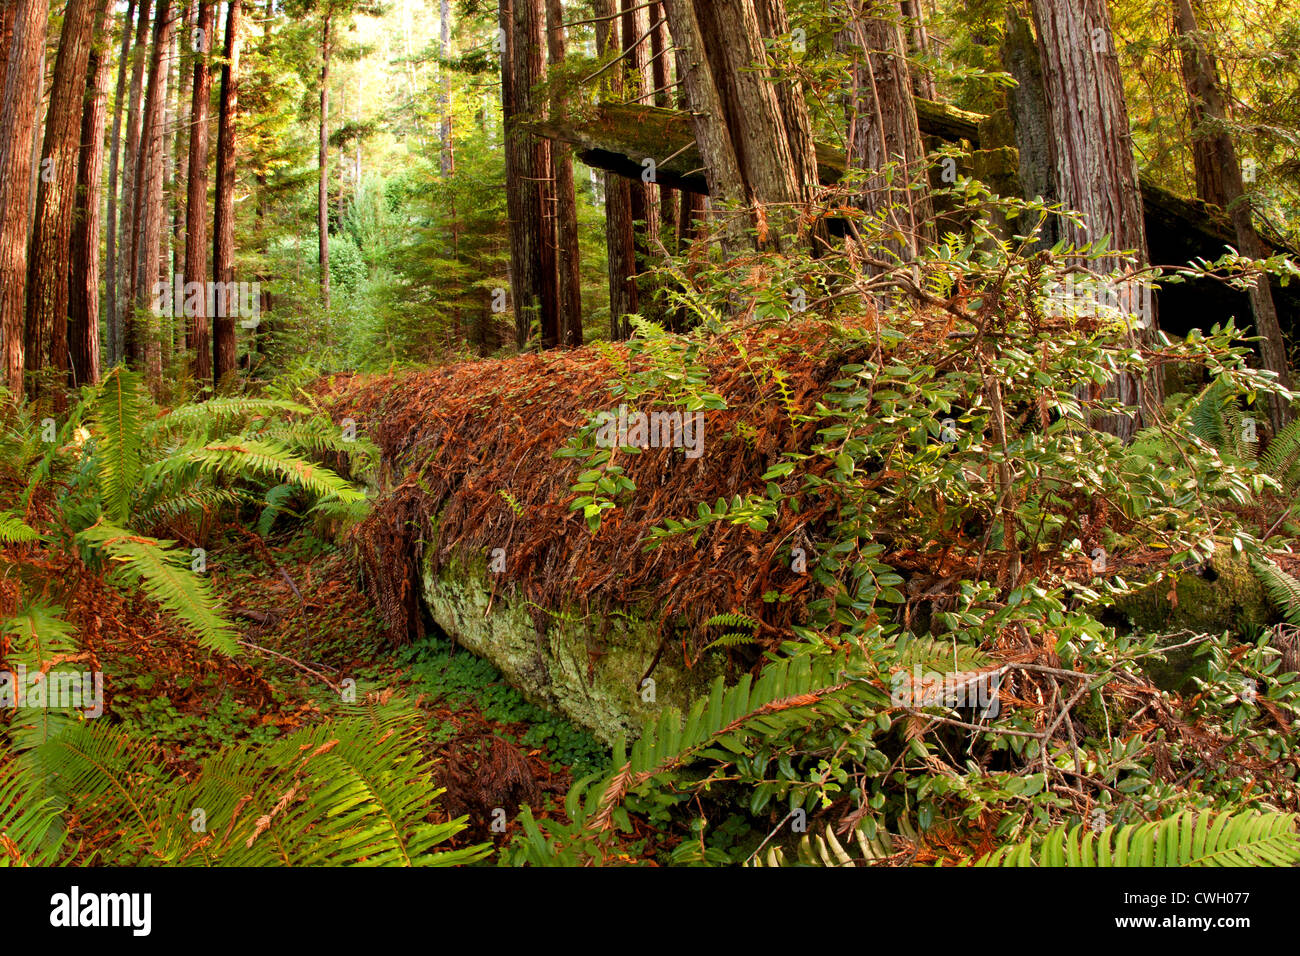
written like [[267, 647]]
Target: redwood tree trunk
[[49, 255], [150, 204], [22, 87], [1218, 173], [883, 128], [128, 230], [83, 304], [1096, 173], [620, 243], [323, 189], [223, 246], [196, 197], [568, 254], [534, 285], [112, 311]]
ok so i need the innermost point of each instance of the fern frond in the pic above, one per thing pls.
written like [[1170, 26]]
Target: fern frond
[[206, 417], [191, 502], [1186, 839], [251, 457], [29, 830], [352, 790], [1283, 589], [868, 844], [1281, 459], [118, 412], [937, 654], [166, 577], [39, 636], [13, 530], [732, 619]]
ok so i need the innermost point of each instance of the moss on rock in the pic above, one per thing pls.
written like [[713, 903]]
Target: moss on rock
[[588, 668], [1224, 594]]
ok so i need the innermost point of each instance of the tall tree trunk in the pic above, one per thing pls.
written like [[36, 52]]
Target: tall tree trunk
[[1027, 105], [644, 195], [918, 44], [83, 304], [620, 243], [128, 229], [150, 202], [1096, 173], [49, 256], [177, 151], [223, 225], [660, 48], [323, 189], [18, 109], [780, 187], [196, 196], [112, 312], [883, 127], [754, 153], [1218, 173], [447, 151], [568, 253], [534, 285]]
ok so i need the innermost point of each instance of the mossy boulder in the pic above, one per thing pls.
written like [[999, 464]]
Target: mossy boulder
[[1222, 594], [590, 668]]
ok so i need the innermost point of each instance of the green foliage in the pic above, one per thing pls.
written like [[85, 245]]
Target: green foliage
[[1283, 589], [461, 679], [164, 573], [1186, 839], [352, 790]]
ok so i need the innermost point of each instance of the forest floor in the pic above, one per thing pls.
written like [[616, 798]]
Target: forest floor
[[306, 630]]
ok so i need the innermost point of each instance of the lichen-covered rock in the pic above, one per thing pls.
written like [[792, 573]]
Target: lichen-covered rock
[[589, 668]]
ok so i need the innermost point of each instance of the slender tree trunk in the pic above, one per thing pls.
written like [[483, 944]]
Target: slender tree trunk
[[660, 48], [883, 128], [18, 119], [918, 44], [323, 190], [1096, 173], [644, 195], [182, 81], [1218, 173], [83, 304], [223, 226], [528, 174], [49, 256], [620, 243], [568, 254], [128, 234], [196, 198], [112, 311], [447, 152], [150, 202]]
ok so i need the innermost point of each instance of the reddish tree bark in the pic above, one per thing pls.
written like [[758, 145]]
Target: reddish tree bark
[[196, 196], [1096, 173], [223, 225], [150, 205], [18, 107], [50, 251], [620, 243], [83, 304], [568, 256], [128, 235], [112, 313], [1218, 177]]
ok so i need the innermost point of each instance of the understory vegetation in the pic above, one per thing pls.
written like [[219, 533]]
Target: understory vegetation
[[825, 476]]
